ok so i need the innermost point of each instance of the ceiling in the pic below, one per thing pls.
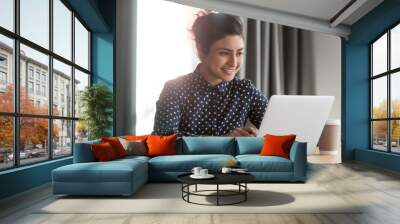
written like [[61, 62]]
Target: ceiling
[[317, 9], [328, 16]]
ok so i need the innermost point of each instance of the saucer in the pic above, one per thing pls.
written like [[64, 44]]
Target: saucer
[[208, 176]]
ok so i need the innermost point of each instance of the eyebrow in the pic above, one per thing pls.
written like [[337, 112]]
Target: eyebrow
[[226, 49]]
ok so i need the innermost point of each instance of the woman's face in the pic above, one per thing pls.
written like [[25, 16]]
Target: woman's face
[[223, 59]]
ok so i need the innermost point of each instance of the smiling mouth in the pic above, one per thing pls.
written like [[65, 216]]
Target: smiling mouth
[[229, 71]]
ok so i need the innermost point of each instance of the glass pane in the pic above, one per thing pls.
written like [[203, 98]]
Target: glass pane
[[6, 74], [6, 142], [395, 94], [62, 29], [379, 55], [34, 97], [35, 21], [33, 139], [81, 81], [62, 89], [379, 97], [7, 14], [81, 131], [379, 135], [81, 45], [395, 136], [395, 47], [62, 138]]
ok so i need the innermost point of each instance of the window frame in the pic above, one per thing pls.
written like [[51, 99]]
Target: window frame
[[388, 74], [16, 114]]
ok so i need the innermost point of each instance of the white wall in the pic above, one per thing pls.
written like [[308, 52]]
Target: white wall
[[326, 51]]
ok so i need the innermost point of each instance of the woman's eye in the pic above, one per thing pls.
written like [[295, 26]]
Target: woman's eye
[[223, 53], [239, 53]]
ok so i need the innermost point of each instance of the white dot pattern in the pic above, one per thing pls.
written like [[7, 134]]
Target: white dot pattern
[[190, 106]]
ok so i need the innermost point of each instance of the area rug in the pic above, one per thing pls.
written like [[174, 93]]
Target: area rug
[[166, 198]]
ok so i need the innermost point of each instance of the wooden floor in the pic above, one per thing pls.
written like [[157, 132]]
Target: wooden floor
[[377, 188]]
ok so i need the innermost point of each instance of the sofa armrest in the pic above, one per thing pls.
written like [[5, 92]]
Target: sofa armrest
[[83, 152], [298, 155]]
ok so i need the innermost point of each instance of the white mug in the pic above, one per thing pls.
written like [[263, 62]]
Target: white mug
[[226, 170], [203, 172], [196, 171]]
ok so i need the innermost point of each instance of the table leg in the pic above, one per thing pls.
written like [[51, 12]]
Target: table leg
[[245, 193], [196, 188], [217, 194]]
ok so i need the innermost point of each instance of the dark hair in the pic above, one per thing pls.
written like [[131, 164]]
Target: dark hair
[[211, 27]]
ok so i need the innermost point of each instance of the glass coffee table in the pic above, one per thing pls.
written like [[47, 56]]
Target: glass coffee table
[[238, 179]]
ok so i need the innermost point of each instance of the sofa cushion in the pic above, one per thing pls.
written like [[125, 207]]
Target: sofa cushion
[[111, 171], [83, 152], [249, 145], [185, 163], [208, 145], [257, 163]]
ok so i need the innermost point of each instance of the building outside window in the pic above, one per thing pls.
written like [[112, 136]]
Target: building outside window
[[30, 87], [58, 134], [385, 91]]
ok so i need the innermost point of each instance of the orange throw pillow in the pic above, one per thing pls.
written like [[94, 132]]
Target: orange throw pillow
[[277, 145], [103, 152], [116, 145], [135, 138], [161, 145]]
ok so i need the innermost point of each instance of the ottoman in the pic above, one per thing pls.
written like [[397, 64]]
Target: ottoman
[[118, 177]]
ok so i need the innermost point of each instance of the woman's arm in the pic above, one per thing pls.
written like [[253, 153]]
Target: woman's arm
[[168, 111], [258, 107]]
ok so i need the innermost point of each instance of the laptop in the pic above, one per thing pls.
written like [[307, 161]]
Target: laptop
[[304, 116]]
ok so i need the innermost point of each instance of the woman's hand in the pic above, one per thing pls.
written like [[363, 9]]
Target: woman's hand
[[244, 132]]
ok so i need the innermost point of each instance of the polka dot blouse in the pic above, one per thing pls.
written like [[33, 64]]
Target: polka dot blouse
[[190, 106]]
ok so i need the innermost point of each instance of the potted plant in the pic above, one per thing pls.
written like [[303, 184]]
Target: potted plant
[[96, 102]]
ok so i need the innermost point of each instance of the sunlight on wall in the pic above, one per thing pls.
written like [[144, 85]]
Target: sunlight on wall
[[165, 50]]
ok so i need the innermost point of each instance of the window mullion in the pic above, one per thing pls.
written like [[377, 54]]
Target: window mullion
[[50, 81], [389, 113], [16, 84], [73, 82]]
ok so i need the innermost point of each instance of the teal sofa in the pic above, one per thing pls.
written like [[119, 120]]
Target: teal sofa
[[125, 176]]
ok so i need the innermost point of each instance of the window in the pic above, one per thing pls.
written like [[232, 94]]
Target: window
[[30, 87], [3, 72], [54, 126], [385, 91], [30, 72], [3, 78], [38, 89], [44, 91], [3, 61], [148, 42], [7, 14]]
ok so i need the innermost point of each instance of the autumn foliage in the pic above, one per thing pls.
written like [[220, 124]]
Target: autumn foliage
[[380, 127], [33, 131]]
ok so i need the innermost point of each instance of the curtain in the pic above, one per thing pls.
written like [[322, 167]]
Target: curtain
[[278, 59]]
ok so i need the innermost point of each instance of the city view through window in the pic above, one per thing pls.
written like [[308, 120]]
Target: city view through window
[[385, 87], [39, 114]]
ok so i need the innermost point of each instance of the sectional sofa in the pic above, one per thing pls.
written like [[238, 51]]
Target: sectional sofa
[[125, 176]]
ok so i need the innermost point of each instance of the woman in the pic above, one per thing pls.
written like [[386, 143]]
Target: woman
[[212, 100]]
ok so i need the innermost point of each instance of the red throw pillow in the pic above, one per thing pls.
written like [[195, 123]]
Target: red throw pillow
[[103, 152], [161, 145], [116, 145], [277, 145]]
